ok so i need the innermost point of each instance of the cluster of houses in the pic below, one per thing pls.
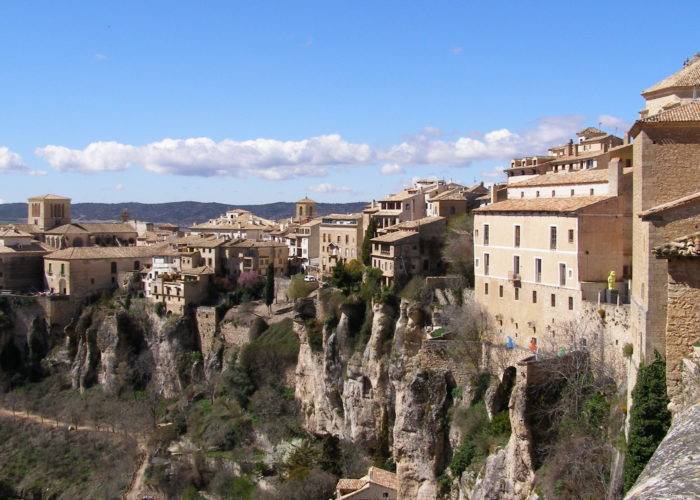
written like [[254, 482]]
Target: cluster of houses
[[603, 220], [53, 254]]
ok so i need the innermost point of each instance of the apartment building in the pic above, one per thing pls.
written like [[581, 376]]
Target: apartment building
[[79, 272], [249, 255], [236, 224], [409, 204], [409, 248], [340, 237], [591, 151], [178, 290], [455, 201], [537, 259]]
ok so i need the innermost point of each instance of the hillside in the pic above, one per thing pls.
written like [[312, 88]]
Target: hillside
[[182, 213]]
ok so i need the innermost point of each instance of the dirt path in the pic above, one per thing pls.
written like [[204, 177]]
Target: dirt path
[[136, 484]]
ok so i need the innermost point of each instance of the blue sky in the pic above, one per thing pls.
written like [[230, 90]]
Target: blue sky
[[262, 101]]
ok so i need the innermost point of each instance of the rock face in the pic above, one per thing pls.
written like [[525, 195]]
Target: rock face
[[673, 472], [382, 397], [119, 348]]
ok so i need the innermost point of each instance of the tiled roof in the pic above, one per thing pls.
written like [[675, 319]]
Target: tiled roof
[[590, 132], [108, 227], [12, 232], [67, 229], [556, 205], [686, 246], [413, 224], [671, 205], [32, 246], [342, 216], [687, 77], [105, 253], [28, 228], [306, 199], [350, 484], [198, 271], [383, 477], [564, 178], [395, 236], [49, 197], [683, 113], [451, 195], [596, 138], [403, 195]]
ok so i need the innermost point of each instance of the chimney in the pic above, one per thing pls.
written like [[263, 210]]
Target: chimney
[[614, 176], [570, 148]]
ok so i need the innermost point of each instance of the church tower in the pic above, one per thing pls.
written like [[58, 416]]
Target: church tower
[[48, 211]]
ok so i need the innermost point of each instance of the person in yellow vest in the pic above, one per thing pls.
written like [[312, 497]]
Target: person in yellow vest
[[612, 285]]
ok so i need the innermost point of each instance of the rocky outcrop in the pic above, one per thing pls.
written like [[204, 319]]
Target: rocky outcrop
[[673, 472], [509, 473]]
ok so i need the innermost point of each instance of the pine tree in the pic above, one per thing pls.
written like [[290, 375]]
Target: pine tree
[[367, 243], [649, 418], [270, 287]]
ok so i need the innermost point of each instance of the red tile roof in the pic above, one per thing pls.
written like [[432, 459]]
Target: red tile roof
[[555, 205]]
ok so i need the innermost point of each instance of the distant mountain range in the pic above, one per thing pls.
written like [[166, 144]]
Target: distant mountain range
[[182, 213]]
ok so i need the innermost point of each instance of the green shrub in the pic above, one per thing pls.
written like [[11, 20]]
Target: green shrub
[[298, 288], [159, 309], [462, 458], [314, 330], [628, 350], [649, 418], [500, 425]]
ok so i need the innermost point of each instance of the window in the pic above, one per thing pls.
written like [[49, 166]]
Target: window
[[562, 274], [486, 234], [522, 194], [537, 194], [500, 291], [553, 193], [516, 237], [517, 293], [571, 303], [516, 265], [571, 235], [534, 296], [592, 191], [486, 288], [50, 268], [538, 270], [113, 267], [452, 211], [572, 192], [553, 300], [486, 264], [552, 237]]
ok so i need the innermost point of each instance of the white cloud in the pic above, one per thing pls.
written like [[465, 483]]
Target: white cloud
[[37, 172], [456, 51], [2, 201], [119, 187], [392, 169], [10, 162], [329, 188], [495, 173], [314, 157], [617, 125], [100, 57]]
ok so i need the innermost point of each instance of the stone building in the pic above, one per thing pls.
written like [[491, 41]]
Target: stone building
[[305, 210], [236, 224], [21, 261], [377, 484], [248, 255], [340, 238], [666, 182], [537, 260], [409, 248], [48, 211], [683, 307], [181, 289], [79, 272]]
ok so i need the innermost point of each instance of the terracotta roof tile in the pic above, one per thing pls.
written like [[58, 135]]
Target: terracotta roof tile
[[686, 246], [413, 224], [590, 132], [394, 236], [49, 197], [671, 205], [383, 477], [556, 205], [684, 113], [105, 252], [564, 178], [687, 77]]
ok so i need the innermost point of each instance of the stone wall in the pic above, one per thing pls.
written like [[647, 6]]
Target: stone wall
[[683, 319], [440, 355], [206, 326]]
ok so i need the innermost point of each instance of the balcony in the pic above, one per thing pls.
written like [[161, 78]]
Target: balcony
[[514, 277]]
